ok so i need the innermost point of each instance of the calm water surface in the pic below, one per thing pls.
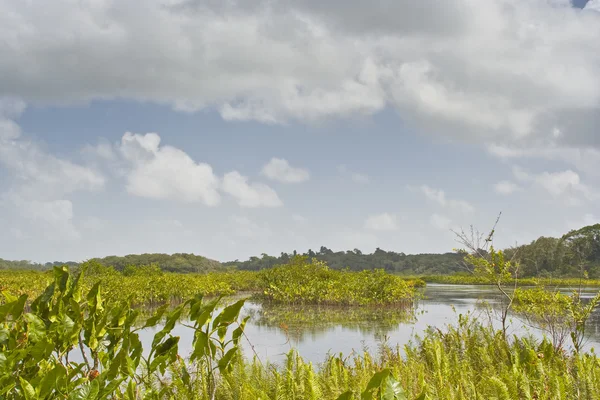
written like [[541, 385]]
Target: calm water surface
[[317, 331]]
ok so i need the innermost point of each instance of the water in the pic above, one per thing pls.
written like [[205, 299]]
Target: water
[[316, 331]]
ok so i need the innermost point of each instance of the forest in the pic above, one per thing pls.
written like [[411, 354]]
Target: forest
[[577, 253]]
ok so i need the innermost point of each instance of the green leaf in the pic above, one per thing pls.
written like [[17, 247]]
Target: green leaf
[[18, 306], [391, 389], [153, 320], [54, 378], [225, 361], [28, 391], [87, 392], [205, 312], [35, 327], [167, 345], [200, 345], [229, 314], [345, 396], [376, 381], [131, 389]]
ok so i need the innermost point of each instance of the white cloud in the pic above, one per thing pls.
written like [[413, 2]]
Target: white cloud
[[40, 184], [165, 172], [565, 185], [382, 222], [439, 196], [250, 194], [477, 68], [440, 222], [279, 169], [506, 187], [584, 159]]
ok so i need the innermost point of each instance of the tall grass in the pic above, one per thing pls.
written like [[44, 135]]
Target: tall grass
[[467, 361]]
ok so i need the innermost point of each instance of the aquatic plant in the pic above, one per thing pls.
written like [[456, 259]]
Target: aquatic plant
[[304, 281]]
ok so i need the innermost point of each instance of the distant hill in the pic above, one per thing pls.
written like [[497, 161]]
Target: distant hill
[[576, 253], [179, 262], [411, 264]]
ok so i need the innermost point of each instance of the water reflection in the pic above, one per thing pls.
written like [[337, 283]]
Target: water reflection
[[316, 331], [300, 323]]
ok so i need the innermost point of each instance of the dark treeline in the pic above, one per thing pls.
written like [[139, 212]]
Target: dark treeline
[[179, 262], [575, 254], [355, 260]]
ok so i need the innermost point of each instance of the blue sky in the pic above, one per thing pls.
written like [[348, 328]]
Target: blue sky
[[235, 128]]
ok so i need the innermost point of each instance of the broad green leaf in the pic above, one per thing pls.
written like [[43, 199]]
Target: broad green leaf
[[87, 392], [229, 314], [28, 391], [35, 327], [153, 320], [55, 378], [131, 390], [19, 306], [200, 345], [345, 396], [391, 389], [374, 383], [225, 361], [167, 345]]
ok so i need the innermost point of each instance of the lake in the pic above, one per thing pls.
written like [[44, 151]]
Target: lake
[[316, 331]]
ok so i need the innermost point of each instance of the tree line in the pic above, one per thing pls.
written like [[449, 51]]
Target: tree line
[[577, 253]]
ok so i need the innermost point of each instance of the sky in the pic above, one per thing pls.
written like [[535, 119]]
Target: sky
[[233, 128]]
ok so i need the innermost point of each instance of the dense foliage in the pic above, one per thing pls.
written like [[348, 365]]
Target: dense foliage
[[577, 253], [146, 285], [312, 282], [70, 345], [299, 282], [357, 261], [178, 262], [571, 255]]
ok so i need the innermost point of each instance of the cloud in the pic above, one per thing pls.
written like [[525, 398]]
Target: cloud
[[39, 184], [584, 159], [279, 169], [382, 222], [250, 194], [356, 177], [485, 69], [439, 196], [165, 172], [440, 222], [565, 185], [245, 228], [506, 187]]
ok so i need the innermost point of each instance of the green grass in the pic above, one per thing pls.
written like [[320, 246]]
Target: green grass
[[480, 280]]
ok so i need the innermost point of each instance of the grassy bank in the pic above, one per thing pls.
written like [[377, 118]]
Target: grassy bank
[[480, 280], [299, 282]]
